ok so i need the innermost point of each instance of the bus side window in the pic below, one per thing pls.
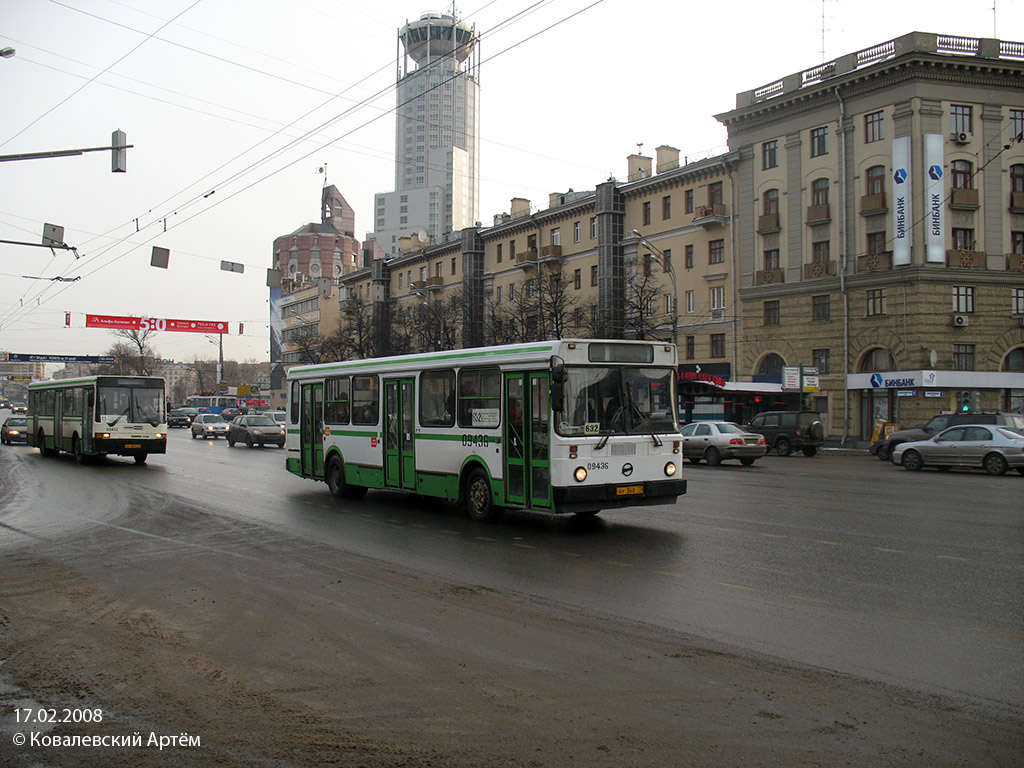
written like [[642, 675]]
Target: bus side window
[[336, 400], [365, 399], [295, 403], [437, 398]]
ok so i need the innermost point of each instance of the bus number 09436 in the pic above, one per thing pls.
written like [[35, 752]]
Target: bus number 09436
[[476, 441]]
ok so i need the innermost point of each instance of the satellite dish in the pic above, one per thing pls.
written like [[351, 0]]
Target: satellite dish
[[421, 235]]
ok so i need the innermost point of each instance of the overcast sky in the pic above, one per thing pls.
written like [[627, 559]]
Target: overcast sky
[[248, 99]]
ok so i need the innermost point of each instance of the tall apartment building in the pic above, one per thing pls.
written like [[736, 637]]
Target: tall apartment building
[[437, 134], [880, 228]]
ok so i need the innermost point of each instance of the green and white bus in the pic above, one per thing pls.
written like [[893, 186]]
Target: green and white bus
[[556, 426], [98, 415]]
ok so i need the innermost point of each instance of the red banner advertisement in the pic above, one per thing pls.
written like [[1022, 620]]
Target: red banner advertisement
[[155, 324]]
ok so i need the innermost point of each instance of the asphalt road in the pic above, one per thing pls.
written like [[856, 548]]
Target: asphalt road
[[838, 561]]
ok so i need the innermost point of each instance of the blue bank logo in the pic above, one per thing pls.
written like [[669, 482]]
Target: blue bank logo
[[900, 175], [935, 173], [876, 380]]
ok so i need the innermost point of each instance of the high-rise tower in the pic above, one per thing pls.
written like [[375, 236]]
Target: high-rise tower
[[437, 133]]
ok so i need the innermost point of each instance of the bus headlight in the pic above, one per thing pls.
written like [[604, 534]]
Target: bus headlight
[[580, 474], [159, 436], [101, 435], [670, 468]]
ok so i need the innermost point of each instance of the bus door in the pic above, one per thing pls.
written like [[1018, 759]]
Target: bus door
[[527, 440], [399, 434], [311, 423], [58, 420]]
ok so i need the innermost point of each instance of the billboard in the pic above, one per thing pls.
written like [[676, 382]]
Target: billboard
[[902, 208], [155, 324], [934, 192]]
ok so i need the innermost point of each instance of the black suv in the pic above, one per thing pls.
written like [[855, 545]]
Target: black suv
[[786, 430], [883, 448]]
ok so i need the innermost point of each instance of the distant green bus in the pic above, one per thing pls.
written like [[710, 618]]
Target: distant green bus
[[555, 426], [98, 415]]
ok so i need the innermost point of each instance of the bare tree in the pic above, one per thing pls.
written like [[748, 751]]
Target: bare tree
[[644, 299], [435, 324], [138, 345]]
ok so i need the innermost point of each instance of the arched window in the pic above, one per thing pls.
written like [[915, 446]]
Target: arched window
[[771, 201], [961, 171], [771, 365], [819, 192], [877, 359], [875, 180], [1014, 361]]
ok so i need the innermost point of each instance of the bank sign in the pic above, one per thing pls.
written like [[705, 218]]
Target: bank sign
[[892, 380]]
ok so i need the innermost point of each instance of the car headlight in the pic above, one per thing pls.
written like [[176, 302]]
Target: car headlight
[[670, 469]]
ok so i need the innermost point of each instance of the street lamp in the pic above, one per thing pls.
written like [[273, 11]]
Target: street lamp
[[666, 263]]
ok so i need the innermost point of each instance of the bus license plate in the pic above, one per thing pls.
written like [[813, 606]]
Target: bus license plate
[[133, 445], [629, 490]]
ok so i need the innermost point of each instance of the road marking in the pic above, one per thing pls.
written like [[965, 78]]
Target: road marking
[[484, 538], [809, 599], [670, 573], [737, 586], [951, 557], [523, 546], [569, 554], [998, 632], [884, 549]]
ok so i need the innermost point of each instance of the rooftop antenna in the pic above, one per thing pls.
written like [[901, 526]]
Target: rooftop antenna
[[323, 169], [640, 148], [825, 29], [995, 34]]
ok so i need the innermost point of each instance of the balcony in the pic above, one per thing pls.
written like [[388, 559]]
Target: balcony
[[873, 262], [1017, 202], [551, 252], [417, 285], [817, 269], [1015, 262], [712, 215], [964, 200], [435, 283], [818, 214], [873, 205], [768, 224], [966, 259], [526, 259], [769, 276]]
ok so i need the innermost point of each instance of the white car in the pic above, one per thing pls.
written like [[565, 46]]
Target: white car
[[278, 416], [209, 425], [985, 446]]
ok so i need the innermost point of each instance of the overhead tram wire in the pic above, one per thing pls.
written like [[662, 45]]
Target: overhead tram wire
[[306, 156]]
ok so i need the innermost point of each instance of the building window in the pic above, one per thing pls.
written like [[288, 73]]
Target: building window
[[876, 242], [666, 261], [819, 192], [770, 202], [668, 304], [961, 115], [688, 258], [1017, 305], [963, 357], [821, 307], [718, 297], [576, 232], [876, 302], [497, 295], [771, 312], [691, 344], [819, 252], [872, 127], [1017, 124], [961, 172], [1017, 242], [822, 360], [715, 195], [819, 141], [717, 345], [963, 298], [593, 227], [647, 212], [688, 200], [499, 252], [666, 207], [689, 302], [577, 279], [556, 236], [716, 252], [771, 259], [593, 275], [963, 239], [875, 180], [769, 154]]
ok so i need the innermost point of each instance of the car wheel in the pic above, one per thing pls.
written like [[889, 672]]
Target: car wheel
[[140, 458], [1021, 470], [694, 459], [885, 452], [816, 430], [809, 451], [746, 461], [478, 499], [249, 442], [782, 446], [193, 435], [334, 474], [995, 464], [712, 457], [912, 461], [231, 443]]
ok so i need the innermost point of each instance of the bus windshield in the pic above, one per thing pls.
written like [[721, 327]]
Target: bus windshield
[[134, 405], [618, 401]]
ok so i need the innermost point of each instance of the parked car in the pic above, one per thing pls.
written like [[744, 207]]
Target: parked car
[[230, 414], [14, 430], [279, 416], [181, 417], [713, 441], [786, 430], [209, 425], [990, 447], [256, 430], [883, 448]]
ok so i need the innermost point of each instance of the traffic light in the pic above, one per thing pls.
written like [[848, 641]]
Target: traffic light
[[963, 401], [975, 400], [119, 152]]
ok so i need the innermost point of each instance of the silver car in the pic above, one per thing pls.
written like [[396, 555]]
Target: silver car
[[992, 448], [713, 441], [209, 425]]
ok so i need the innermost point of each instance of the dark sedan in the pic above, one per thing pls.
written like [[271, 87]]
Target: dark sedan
[[256, 430], [14, 430], [181, 417]]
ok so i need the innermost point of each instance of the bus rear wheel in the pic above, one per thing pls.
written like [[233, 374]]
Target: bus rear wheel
[[477, 498]]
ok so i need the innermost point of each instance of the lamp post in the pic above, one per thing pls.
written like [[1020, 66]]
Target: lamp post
[[666, 263]]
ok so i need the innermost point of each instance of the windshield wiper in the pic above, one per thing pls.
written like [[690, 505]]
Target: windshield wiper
[[120, 416], [635, 409]]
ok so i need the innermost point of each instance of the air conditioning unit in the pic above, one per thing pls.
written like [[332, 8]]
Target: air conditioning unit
[[961, 137], [960, 321]]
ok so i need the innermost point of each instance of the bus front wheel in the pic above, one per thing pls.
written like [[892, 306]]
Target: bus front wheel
[[478, 499], [334, 474]]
